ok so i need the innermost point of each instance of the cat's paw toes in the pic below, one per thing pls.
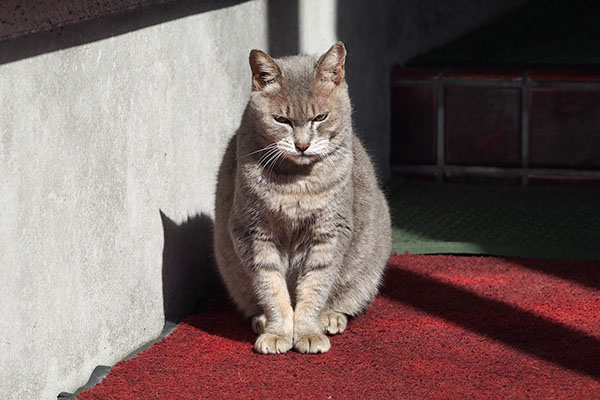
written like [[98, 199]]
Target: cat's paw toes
[[258, 323], [312, 343], [270, 343], [334, 322]]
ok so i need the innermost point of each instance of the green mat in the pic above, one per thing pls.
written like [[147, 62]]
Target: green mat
[[546, 33], [544, 222]]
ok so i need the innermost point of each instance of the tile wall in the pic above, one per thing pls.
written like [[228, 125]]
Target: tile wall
[[512, 127]]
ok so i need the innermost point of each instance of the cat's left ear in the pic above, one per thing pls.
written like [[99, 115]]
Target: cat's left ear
[[264, 70], [330, 66]]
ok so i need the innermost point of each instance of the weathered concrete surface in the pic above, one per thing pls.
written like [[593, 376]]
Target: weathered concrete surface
[[104, 123], [18, 17], [94, 141]]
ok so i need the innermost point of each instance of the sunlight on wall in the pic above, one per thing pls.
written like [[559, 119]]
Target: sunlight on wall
[[317, 25]]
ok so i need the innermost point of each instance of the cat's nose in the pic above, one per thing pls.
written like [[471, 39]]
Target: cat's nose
[[301, 147]]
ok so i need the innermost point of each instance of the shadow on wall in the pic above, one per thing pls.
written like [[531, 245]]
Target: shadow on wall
[[189, 273], [283, 28], [98, 24], [362, 27]]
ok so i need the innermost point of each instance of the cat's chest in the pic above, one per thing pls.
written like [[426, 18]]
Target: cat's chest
[[298, 205]]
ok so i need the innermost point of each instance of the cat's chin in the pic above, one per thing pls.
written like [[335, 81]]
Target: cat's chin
[[302, 159]]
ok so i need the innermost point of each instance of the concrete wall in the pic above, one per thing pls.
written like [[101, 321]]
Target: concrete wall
[[95, 140], [106, 123]]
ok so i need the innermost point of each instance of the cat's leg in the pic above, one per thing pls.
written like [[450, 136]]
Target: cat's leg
[[264, 273], [318, 273], [343, 304], [352, 294], [311, 294], [276, 325], [356, 287]]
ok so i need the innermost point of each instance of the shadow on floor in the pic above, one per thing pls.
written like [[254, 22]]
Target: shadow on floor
[[522, 330], [222, 320], [583, 273]]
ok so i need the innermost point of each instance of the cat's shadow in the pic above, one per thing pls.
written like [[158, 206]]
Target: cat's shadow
[[188, 269], [192, 290], [220, 318]]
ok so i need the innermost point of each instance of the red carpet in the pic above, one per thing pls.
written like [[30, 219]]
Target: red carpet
[[444, 327]]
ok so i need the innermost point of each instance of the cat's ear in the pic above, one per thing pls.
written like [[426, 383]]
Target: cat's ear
[[330, 66], [264, 70]]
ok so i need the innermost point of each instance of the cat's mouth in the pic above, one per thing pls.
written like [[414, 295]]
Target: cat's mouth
[[302, 158]]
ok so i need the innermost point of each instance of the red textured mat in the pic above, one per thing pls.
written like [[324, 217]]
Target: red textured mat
[[444, 327]]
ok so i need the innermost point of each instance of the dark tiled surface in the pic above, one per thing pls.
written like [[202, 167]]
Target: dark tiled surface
[[483, 125], [414, 116], [564, 127], [416, 73], [484, 74], [545, 180], [482, 178], [483, 116], [416, 175], [565, 76]]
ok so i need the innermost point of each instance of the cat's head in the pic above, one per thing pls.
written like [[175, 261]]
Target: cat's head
[[300, 104]]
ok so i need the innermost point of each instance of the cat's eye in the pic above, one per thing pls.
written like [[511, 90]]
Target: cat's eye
[[282, 120], [320, 117]]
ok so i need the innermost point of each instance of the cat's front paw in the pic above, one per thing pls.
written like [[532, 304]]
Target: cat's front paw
[[333, 322], [312, 343], [270, 343]]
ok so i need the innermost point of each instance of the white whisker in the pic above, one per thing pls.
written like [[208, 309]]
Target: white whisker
[[267, 155], [273, 155], [268, 147], [277, 158]]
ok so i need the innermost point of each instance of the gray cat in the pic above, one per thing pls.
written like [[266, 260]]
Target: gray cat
[[302, 230]]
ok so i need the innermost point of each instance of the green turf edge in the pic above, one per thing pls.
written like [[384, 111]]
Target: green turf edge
[[494, 250]]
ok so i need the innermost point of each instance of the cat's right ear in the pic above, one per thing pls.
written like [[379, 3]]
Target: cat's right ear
[[264, 70], [330, 67]]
